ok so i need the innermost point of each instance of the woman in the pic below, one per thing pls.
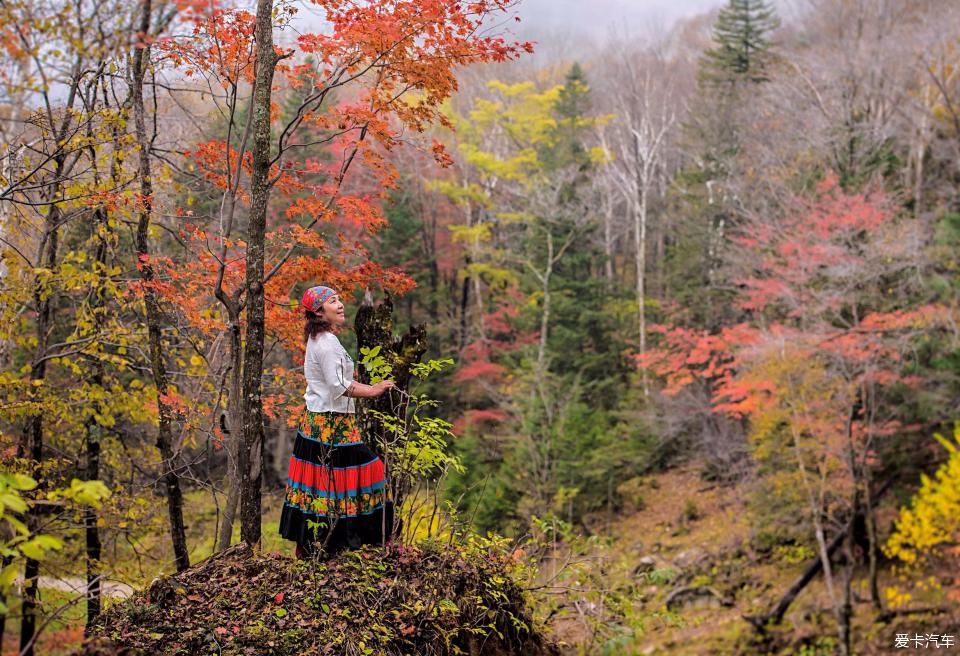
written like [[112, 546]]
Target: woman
[[335, 486]]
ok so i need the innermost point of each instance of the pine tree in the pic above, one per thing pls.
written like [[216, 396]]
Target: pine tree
[[741, 59], [742, 51], [570, 111]]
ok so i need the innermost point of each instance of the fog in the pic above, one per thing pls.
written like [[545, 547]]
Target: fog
[[596, 18]]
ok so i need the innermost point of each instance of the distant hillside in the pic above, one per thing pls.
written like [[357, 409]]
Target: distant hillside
[[675, 572]]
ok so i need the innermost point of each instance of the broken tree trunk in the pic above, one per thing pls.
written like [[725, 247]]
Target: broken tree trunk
[[760, 622], [374, 326]]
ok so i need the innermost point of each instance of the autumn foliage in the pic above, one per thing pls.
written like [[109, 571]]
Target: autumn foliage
[[344, 100], [810, 296]]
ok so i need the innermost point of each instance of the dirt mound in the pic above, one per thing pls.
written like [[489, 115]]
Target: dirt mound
[[392, 600]]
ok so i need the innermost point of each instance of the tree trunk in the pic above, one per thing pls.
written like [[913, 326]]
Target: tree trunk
[[545, 312], [28, 620], [140, 56], [234, 439], [919, 152], [815, 567], [92, 440], [464, 304], [91, 530], [5, 600], [815, 515], [31, 443], [374, 327], [271, 475], [663, 226], [251, 450], [608, 241], [640, 236], [546, 436], [845, 613], [434, 304], [542, 364], [873, 547]]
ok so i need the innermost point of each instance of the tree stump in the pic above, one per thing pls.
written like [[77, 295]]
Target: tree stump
[[374, 327]]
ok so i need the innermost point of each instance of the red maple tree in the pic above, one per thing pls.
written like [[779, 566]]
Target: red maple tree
[[301, 168], [822, 342]]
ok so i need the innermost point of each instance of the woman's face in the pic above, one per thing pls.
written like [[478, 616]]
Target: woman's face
[[332, 311]]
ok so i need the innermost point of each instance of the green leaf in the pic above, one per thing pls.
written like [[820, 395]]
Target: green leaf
[[13, 502], [8, 575], [23, 482], [39, 546], [87, 493], [18, 526]]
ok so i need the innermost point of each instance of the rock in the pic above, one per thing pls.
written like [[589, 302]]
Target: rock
[[696, 597], [160, 591], [644, 565], [690, 558]]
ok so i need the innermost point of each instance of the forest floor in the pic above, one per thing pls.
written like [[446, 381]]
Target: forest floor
[[138, 556], [435, 600], [676, 574], [676, 538]]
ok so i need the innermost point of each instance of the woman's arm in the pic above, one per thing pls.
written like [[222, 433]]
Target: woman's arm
[[361, 391]]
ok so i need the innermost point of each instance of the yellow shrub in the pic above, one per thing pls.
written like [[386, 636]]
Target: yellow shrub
[[934, 516]]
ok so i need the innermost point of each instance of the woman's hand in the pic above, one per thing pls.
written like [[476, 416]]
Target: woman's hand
[[361, 391]]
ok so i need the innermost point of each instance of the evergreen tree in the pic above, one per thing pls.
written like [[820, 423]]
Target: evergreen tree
[[743, 47], [533, 461], [570, 110], [741, 58]]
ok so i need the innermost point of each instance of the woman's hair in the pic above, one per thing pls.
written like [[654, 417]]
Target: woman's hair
[[313, 325]]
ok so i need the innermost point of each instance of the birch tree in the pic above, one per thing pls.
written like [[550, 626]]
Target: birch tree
[[646, 115]]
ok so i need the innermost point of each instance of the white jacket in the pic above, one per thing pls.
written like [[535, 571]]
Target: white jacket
[[329, 372]]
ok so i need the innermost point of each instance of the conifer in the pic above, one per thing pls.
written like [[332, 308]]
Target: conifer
[[743, 46]]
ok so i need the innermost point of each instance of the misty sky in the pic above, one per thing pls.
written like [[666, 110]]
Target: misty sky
[[550, 21], [597, 17]]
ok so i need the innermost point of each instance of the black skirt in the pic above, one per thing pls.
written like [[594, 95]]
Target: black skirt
[[336, 496]]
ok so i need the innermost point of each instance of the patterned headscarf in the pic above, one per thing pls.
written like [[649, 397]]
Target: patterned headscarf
[[314, 297]]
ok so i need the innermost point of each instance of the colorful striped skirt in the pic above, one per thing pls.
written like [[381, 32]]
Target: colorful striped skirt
[[336, 491]]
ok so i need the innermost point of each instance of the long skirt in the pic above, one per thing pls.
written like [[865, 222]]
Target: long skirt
[[336, 491]]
